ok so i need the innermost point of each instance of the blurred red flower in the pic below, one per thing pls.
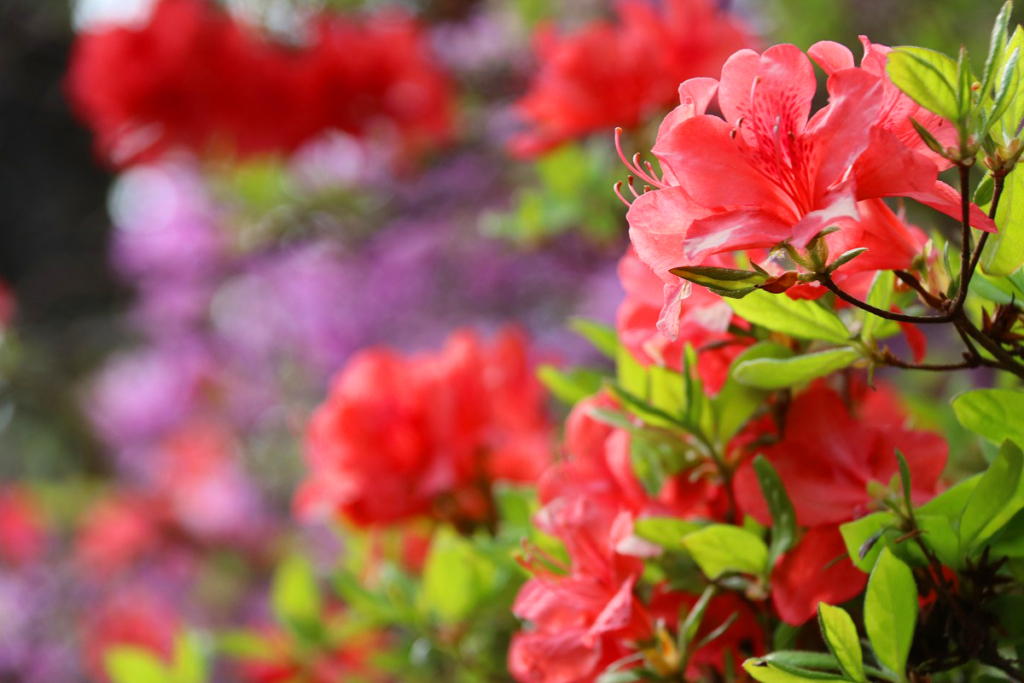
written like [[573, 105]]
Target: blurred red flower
[[22, 527], [194, 78], [407, 436], [608, 75], [128, 617]]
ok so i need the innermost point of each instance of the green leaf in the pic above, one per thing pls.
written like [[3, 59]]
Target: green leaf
[[845, 258], [602, 337], [721, 549], [778, 373], [927, 77], [993, 413], [841, 637], [950, 503], [294, 595], [722, 281], [247, 645], [996, 46], [798, 318], [630, 374], [1004, 251], [1009, 85], [456, 577], [941, 537], [880, 296], [767, 672], [737, 402], [890, 611], [863, 540], [570, 387], [129, 664], [994, 501], [784, 527], [905, 481], [667, 532], [1004, 128], [189, 662], [813, 664]]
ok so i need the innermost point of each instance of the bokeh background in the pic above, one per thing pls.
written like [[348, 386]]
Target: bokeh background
[[170, 322]]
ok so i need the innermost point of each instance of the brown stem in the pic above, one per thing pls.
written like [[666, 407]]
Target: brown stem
[[967, 364], [1007, 361], [826, 279]]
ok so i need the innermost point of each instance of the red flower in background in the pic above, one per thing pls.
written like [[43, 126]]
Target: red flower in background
[[22, 528], [194, 78], [406, 436], [608, 75], [826, 459], [129, 617], [286, 661]]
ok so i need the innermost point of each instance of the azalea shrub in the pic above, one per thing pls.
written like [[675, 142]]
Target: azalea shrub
[[789, 449]]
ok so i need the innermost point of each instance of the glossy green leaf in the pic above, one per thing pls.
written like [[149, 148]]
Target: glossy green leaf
[[737, 402], [784, 528], [995, 414], [941, 536], [725, 282], [879, 296], [722, 548], [1004, 127], [890, 611], [667, 532], [778, 373], [770, 672], [950, 503], [862, 538], [840, 636], [798, 318], [996, 47], [1004, 251], [927, 77], [129, 664], [994, 500]]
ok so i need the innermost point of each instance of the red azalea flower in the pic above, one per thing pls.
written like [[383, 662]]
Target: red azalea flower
[[598, 466], [194, 78], [129, 617], [817, 570], [609, 75], [701, 320], [582, 621], [401, 437], [897, 162], [826, 459], [767, 172], [117, 531], [22, 528], [770, 172], [828, 456]]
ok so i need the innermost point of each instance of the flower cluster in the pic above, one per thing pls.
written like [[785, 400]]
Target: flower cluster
[[185, 81], [767, 173], [608, 74], [426, 435]]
